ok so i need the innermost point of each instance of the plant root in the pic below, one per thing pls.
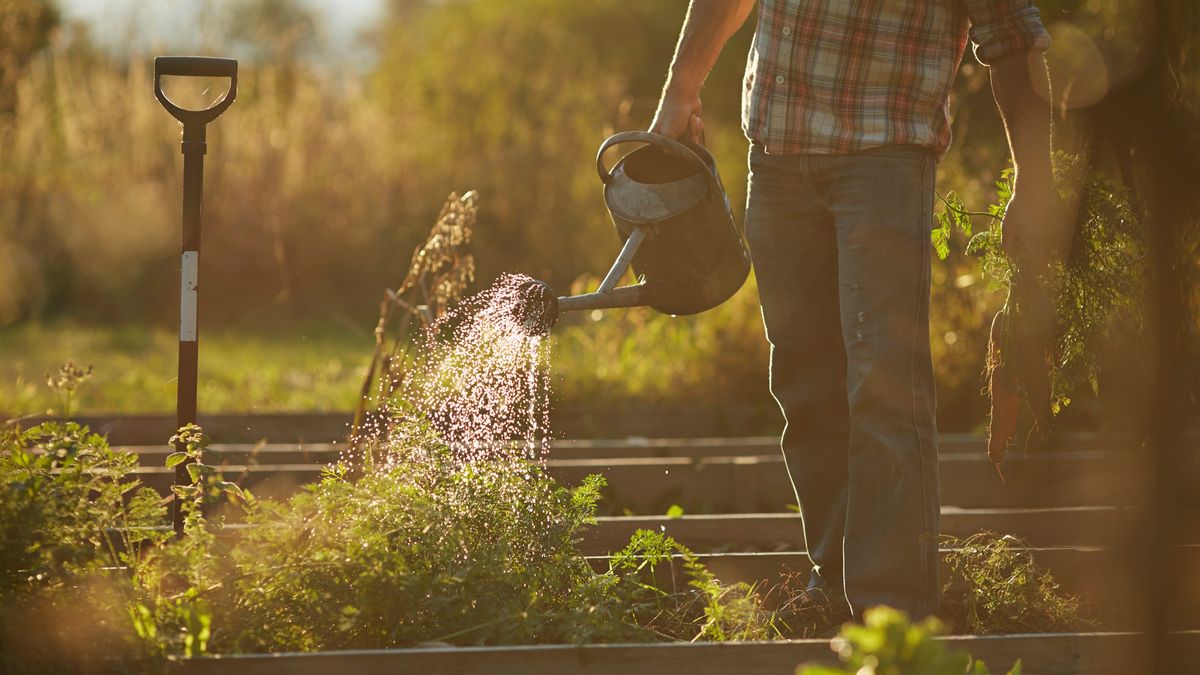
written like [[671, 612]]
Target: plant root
[[1001, 388]]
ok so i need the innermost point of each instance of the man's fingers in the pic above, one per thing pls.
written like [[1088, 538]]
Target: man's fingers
[[696, 129]]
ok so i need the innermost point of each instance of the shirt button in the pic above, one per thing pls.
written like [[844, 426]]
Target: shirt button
[[787, 30], [778, 79]]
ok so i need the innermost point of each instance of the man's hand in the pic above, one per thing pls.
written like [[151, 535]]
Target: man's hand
[[1032, 227], [678, 117]]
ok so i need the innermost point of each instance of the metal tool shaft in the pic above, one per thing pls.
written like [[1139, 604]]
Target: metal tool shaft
[[193, 148]]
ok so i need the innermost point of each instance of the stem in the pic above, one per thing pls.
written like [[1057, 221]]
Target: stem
[[965, 213]]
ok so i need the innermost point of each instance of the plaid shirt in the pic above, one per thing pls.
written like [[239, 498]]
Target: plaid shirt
[[839, 76]]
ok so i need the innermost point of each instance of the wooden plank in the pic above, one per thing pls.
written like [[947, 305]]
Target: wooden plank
[[1063, 526], [759, 484], [637, 424], [155, 429], [687, 421], [1052, 654], [288, 453]]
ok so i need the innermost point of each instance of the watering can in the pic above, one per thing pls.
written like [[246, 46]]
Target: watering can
[[673, 217]]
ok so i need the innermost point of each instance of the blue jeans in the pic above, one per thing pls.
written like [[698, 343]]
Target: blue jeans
[[841, 251]]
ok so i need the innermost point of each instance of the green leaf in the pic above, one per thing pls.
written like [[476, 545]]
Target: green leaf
[[228, 486], [979, 668], [1016, 669], [822, 670], [676, 511], [176, 458], [184, 490]]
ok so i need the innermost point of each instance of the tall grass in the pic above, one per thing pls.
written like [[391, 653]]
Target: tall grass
[[319, 184], [299, 197]]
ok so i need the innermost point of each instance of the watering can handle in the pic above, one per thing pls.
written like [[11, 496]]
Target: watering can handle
[[669, 144], [195, 66]]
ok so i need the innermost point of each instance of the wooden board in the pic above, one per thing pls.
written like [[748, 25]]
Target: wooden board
[[1058, 654], [627, 426], [290, 453], [1065, 526], [760, 484]]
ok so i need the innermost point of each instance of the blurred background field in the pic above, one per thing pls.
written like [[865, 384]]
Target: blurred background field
[[336, 157]]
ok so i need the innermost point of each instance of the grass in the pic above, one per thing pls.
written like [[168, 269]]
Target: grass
[[618, 355], [240, 370]]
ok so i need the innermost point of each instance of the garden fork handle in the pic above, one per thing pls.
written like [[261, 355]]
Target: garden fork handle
[[195, 66]]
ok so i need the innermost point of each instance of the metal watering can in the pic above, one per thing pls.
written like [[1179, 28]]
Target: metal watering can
[[673, 217]]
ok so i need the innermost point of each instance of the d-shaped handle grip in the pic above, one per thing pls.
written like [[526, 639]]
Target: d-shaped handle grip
[[195, 66]]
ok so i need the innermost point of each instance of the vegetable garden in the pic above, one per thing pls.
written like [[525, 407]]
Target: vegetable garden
[[682, 541], [606, 499]]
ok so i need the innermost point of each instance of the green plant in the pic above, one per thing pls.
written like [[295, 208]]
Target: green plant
[[995, 586], [1097, 282], [420, 548], [686, 601], [889, 644], [177, 582], [70, 519], [64, 383], [207, 484]]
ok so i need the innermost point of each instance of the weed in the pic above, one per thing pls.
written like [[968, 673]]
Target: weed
[[996, 587]]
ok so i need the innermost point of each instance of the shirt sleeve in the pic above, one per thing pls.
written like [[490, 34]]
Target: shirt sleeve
[[1000, 27]]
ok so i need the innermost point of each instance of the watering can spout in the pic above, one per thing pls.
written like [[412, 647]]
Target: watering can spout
[[539, 308]]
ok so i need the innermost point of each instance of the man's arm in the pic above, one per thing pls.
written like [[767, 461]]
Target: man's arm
[[1021, 89], [708, 26]]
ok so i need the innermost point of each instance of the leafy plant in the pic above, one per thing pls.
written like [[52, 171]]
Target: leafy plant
[[889, 644], [178, 581], [420, 549], [70, 519], [207, 484], [1097, 282], [686, 601], [995, 586]]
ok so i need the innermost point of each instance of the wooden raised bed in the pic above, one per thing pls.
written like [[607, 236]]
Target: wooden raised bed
[[1047, 654]]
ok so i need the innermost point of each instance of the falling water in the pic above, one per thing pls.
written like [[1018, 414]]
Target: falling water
[[480, 380]]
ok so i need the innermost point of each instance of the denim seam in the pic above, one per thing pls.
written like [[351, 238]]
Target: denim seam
[[912, 379]]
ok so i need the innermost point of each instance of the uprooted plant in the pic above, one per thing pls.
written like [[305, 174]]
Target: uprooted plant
[[1060, 304]]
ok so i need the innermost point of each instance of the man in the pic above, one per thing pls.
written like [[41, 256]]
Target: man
[[845, 105]]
